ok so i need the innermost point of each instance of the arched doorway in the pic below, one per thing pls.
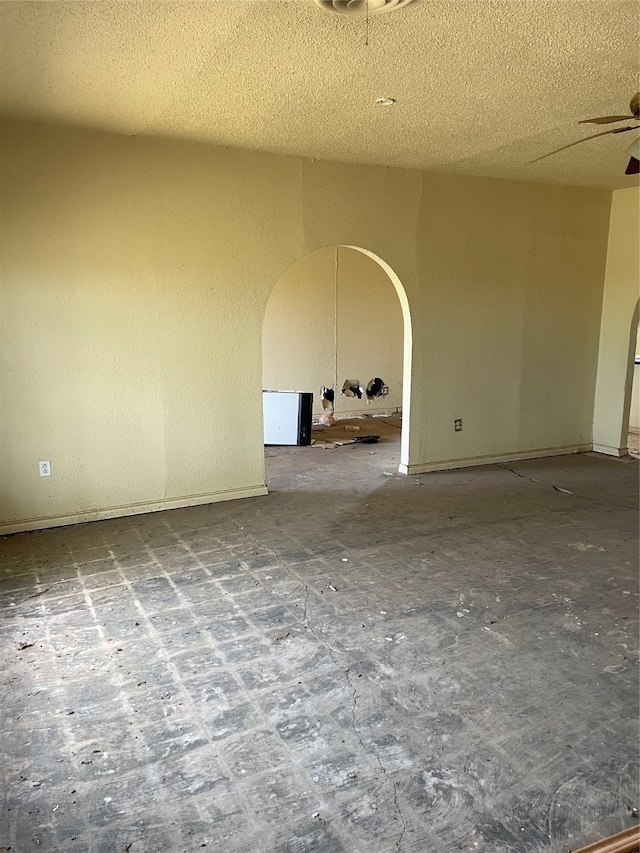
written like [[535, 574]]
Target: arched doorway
[[340, 315], [631, 418]]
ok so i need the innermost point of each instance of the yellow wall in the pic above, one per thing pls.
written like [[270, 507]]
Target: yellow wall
[[326, 319], [619, 325], [135, 277], [512, 277]]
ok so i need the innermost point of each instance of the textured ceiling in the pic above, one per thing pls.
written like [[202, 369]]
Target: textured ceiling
[[481, 87]]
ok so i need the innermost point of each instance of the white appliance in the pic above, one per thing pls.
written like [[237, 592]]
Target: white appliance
[[287, 417]]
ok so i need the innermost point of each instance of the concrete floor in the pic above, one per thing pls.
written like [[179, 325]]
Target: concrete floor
[[359, 662]]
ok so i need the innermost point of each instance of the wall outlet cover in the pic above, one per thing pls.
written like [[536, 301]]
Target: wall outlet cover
[[45, 469]]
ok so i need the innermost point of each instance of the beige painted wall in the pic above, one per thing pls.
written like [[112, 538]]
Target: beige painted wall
[[135, 277], [325, 320], [619, 325], [509, 324]]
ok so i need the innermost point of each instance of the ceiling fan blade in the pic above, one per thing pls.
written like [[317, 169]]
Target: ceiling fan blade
[[586, 139], [633, 167], [605, 119]]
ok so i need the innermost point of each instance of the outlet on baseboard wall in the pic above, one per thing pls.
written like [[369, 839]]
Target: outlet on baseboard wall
[[457, 424]]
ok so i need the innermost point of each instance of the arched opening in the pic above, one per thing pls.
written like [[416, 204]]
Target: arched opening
[[631, 422], [337, 325]]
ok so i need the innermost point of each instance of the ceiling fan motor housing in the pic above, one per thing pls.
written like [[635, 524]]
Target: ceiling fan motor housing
[[362, 8]]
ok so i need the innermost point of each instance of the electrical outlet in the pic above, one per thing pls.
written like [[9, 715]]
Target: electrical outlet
[[457, 425], [45, 469]]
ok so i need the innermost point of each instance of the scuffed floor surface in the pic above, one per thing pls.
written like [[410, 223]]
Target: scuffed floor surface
[[358, 662]]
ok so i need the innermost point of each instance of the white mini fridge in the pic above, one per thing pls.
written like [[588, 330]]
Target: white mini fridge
[[287, 417]]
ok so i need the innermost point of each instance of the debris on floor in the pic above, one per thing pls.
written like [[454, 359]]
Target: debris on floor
[[338, 433], [359, 439], [280, 638]]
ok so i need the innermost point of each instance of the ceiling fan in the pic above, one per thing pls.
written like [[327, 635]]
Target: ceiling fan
[[633, 167]]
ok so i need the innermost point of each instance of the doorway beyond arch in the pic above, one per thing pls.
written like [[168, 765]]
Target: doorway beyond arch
[[309, 307]]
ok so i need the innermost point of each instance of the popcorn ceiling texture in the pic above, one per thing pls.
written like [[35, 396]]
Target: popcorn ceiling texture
[[481, 88]]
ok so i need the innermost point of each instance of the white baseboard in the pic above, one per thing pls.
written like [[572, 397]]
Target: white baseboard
[[609, 450], [391, 412], [492, 459], [634, 430], [25, 525]]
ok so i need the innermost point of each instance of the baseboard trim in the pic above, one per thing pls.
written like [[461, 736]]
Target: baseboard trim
[[626, 841], [492, 459], [609, 450], [363, 413], [24, 525]]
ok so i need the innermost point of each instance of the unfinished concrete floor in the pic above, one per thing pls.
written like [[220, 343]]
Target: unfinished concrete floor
[[358, 662]]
